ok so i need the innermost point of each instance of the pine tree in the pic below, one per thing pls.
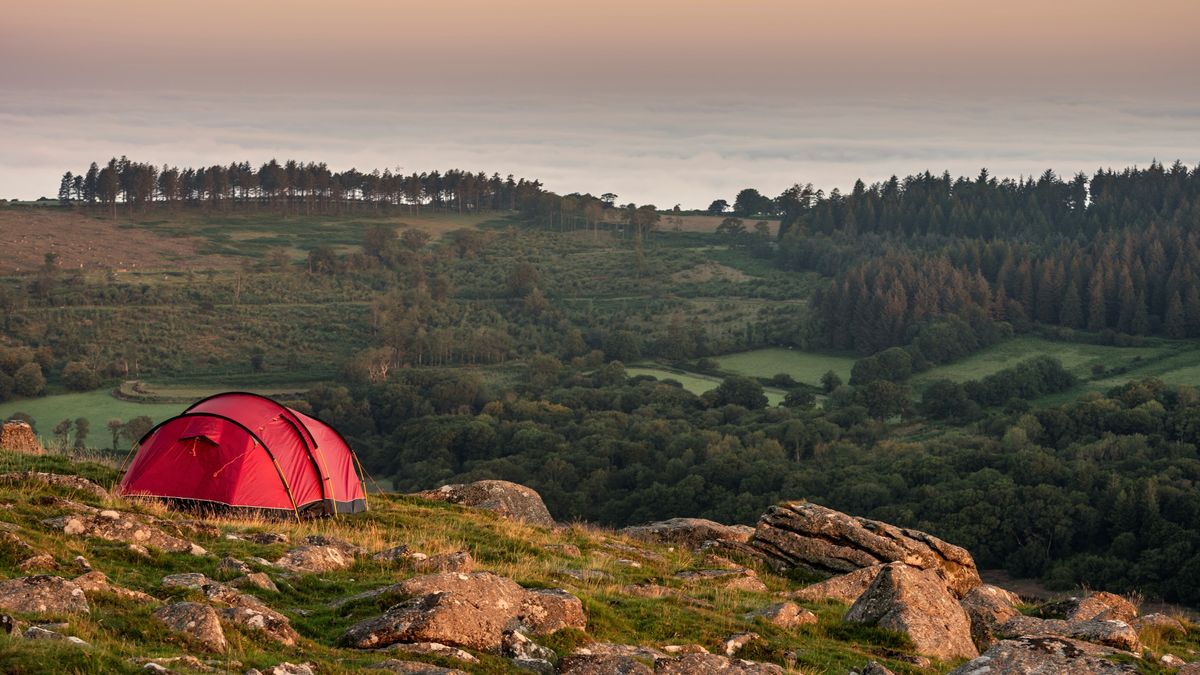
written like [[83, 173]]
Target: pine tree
[[1174, 322], [1097, 307], [1071, 315]]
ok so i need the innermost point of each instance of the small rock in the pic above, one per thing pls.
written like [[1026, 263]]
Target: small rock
[[460, 561], [290, 669], [784, 615], [1161, 622], [585, 575], [540, 666], [198, 622], [97, 582], [1116, 634], [1100, 606], [516, 645], [255, 580], [39, 633], [231, 567], [395, 554], [695, 664], [613, 649], [988, 608], [82, 564], [432, 649], [43, 561], [69, 482], [602, 664], [1172, 661], [414, 668], [844, 588], [875, 668], [508, 500], [685, 649], [690, 533], [313, 559], [736, 643], [736, 579], [42, 594]]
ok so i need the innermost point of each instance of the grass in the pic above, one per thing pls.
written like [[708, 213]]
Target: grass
[[97, 406], [120, 630], [805, 367], [696, 382]]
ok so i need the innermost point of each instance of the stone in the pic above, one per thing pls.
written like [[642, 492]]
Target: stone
[[199, 623], [1101, 605], [799, 534], [231, 567], [240, 609], [286, 668], [399, 553], [516, 645], [916, 602], [1172, 661], [1160, 622], [255, 580], [82, 564], [706, 664], [314, 558], [613, 649], [1043, 655], [42, 595], [844, 588], [414, 668], [540, 666], [194, 580], [649, 590], [265, 538], [508, 500], [97, 582], [875, 668], [691, 533], [685, 649], [602, 664], [159, 664], [471, 611], [40, 633], [1189, 669], [128, 528], [735, 579], [432, 649], [784, 615], [1116, 634], [57, 480], [18, 436], [736, 643], [459, 561], [42, 561], [988, 608]]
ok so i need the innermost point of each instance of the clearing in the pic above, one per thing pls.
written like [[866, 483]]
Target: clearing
[[806, 367]]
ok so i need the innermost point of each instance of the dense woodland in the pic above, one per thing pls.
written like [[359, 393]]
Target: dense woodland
[[494, 353]]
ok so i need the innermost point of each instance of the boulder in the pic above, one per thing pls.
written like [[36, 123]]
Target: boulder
[[602, 664], [706, 664], [42, 561], [414, 668], [472, 611], [736, 643], [732, 579], [399, 553], [844, 588], [18, 436], [1116, 634], [689, 533], [1043, 655], [784, 615], [614, 649], [508, 500], [1160, 622], [58, 480], [239, 608], [916, 602], [126, 528], [97, 582], [197, 622], [988, 608], [42, 595], [255, 580], [289, 669], [40, 633], [460, 561], [799, 534], [314, 559], [1101, 605]]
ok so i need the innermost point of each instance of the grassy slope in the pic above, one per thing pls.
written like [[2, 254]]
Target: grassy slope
[[120, 630]]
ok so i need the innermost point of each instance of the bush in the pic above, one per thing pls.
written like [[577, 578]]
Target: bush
[[78, 376], [28, 380]]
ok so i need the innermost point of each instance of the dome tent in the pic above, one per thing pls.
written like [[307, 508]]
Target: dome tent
[[245, 452]]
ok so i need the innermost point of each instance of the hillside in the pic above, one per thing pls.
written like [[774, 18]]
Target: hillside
[[335, 578]]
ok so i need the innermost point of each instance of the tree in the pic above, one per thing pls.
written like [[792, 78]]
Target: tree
[[750, 201], [718, 207], [522, 279], [82, 427], [28, 380], [115, 426], [830, 381], [79, 376], [134, 429], [378, 241], [731, 228], [414, 239], [62, 433], [64, 188], [800, 398], [743, 391], [884, 399]]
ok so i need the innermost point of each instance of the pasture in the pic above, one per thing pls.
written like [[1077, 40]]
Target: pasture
[[97, 406], [697, 383], [805, 367]]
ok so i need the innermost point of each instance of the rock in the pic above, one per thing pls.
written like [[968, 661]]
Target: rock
[[97, 582], [265, 538], [9, 625], [799, 534], [58, 480], [255, 580], [314, 558], [875, 668], [1190, 669], [43, 595], [1161, 622], [198, 622], [432, 649], [194, 580], [540, 666], [128, 528], [602, 664], [916, 602], [290, 669], [240, 608], [689, 533], [988, 608], [516, 645], [460, 561], [159, 664], [1116, 634], [784, 615], [508, 500], [1102, 606], [613, 649], [82, 564], [844, 588], [15, 548], [735, 643], [414, 668], [231, 567], [17, 436], [465, 610], [39, 633], [684, 649], [1043, 655], [42, 561], [399, 553], [713, 664], [1172, 661], [736, 579]]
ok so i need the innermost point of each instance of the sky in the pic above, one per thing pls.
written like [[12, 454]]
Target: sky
[[659, 101]]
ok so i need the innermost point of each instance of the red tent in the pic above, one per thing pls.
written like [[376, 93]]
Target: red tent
[[245, 451]]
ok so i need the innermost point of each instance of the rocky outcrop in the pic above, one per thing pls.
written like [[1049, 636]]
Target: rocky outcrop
[[1042, 655], [689, 533], [844, 588], [508, 500], [58, 480], [18, 436], [916, 602], [1116, 634], [199, 623], [784, 615], [472, 611], [42, 595], [1101, 606], [1160, 622], [799, 534], [127, 528], [988, 608], [240, 609], [733, 579]]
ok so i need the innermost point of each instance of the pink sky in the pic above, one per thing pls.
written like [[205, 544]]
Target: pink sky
[[659, 100]]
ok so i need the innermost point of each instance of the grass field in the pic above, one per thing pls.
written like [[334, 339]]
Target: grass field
[[697, 383], [806, 367], [97, 406]]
